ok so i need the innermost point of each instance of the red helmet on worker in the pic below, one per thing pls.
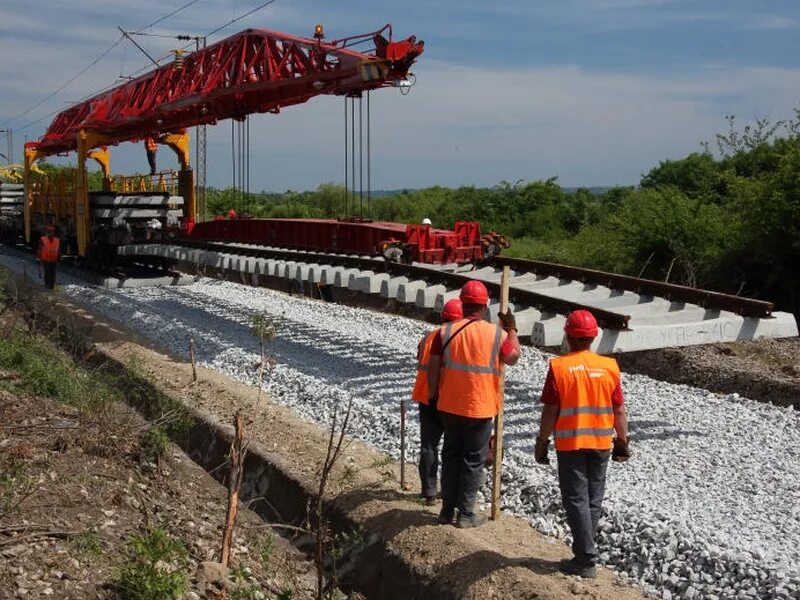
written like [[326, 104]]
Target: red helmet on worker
[[474, 292], [581, 324], [453, 310], [50, 229]]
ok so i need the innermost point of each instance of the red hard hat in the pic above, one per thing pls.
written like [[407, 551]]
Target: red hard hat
[[453, 310], [474, 292], [581, 324], [51, 228]]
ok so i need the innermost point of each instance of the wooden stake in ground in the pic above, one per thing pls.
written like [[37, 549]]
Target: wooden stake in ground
[[497, 467], [192, 358], [403, 444], [234, 483]]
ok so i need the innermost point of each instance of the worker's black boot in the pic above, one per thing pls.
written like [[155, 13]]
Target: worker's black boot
[[467, 521], [573, 566], [446, 514]]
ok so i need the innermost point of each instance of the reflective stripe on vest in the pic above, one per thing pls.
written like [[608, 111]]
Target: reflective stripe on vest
[[567, 433], [469, 384], [48, 249], [585, 382], [420, 391]]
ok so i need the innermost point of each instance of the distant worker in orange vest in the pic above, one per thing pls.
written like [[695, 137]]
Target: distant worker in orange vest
[[583, 407], [464, 381], [430, 425], [49, 253], [231, 213], [151, 146]]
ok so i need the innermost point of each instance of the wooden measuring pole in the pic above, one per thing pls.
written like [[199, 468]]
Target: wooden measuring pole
[[193, 359], [497, 467], [403, 444]]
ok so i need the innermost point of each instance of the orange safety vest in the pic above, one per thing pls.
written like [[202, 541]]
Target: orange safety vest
[[585, 382], [420, 391], [49, 249], [469, 383], [150, 144]]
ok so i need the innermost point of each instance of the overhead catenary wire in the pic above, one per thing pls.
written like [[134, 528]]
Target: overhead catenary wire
[[240, 17], [90, 65]]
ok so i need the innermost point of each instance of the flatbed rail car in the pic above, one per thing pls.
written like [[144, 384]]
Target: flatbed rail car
[[394, 241]]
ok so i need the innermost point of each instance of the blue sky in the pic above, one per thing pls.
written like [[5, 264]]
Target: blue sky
[[593, 92]]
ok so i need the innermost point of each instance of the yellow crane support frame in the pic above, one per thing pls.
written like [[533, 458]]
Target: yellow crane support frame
[[95, 147]]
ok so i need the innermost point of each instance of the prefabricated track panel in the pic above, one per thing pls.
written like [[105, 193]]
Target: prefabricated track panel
[[136, 213], [423, 243], [145, 200]]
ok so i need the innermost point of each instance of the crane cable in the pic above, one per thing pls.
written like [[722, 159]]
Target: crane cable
[[362, 129]]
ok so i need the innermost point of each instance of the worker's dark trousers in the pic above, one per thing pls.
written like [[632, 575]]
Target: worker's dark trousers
[[49, 269], [430, 433], [151, 158], [582, 479], [466, 444]]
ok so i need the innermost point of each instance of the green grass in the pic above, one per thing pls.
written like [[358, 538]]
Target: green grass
[[46, 371]]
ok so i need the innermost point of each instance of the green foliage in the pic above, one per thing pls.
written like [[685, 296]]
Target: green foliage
[[243, 585], [728, 223], [46, 371], [87, 543], [16, 484], [154, 444], [263, 327], [156, 569]]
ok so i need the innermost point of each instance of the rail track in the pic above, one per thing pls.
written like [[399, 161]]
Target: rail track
[[634, 314]]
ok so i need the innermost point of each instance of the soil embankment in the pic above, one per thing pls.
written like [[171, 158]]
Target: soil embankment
[[391, 546]]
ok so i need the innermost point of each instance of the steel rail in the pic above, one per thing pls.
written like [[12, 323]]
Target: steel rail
[[746, 307], [606, 318]]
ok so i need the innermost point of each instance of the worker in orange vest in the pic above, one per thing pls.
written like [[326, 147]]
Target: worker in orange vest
[[231, 213], [151, 146], [464, 380], [583, 407], [430, 426], [49, 253]]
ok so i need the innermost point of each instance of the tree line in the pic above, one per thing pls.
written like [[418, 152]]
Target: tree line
[[727, 220]]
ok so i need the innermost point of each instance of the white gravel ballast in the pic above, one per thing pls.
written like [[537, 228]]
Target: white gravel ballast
[[707, 507]]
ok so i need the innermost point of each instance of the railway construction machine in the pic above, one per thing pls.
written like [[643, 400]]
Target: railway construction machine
[[254, 71]]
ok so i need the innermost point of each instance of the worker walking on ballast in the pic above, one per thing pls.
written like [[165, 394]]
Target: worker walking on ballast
[[430, 425], [464, 381], [49, 253], [583, 407]]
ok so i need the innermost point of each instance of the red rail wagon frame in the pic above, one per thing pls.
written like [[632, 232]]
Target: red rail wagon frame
[[420, 243]]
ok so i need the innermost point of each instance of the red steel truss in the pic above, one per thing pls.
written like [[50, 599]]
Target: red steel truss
[[254, 71]]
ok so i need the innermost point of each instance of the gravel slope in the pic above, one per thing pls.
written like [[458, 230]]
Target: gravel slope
[[708, 507]]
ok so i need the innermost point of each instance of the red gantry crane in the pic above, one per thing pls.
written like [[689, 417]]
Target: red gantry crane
[[254, 71]]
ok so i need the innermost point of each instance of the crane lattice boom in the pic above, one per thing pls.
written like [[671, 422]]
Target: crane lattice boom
[[254, 71]]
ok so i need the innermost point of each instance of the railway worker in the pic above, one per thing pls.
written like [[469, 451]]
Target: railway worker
[[49, 254], [464, 381], [430, 426], [151, 146], [583, 407], [231, 213]]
